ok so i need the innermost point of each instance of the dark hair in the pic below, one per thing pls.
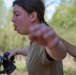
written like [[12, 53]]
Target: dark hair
[[32, 5]]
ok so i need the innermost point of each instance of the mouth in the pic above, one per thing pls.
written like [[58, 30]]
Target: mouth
[[15, 27]]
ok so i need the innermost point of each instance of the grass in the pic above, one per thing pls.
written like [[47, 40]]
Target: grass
[[69, 70], [20, 65]]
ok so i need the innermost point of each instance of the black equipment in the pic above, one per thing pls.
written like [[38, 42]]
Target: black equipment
[[8, 64]]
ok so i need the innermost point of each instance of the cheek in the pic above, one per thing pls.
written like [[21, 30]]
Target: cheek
[[24, 22]]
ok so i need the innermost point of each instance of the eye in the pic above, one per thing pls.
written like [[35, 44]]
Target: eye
[[16, 14]]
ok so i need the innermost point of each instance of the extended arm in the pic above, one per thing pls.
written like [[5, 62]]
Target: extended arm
[[45, 35], [71, 49]]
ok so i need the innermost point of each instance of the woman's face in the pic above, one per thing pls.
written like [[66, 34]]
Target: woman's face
[[21, 20]]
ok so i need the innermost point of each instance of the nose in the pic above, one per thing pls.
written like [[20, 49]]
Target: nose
[[13, 19]]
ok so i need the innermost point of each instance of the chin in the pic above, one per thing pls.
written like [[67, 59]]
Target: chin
[[22, 33]]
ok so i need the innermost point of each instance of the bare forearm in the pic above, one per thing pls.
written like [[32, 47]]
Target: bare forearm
[[23, 52], [71, 49]]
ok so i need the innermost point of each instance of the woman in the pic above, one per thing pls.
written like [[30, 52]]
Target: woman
[[46, 51]]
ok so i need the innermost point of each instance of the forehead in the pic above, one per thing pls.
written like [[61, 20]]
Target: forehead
[[17, 8]]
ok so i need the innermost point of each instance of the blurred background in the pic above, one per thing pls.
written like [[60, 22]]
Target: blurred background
[[60, 15]]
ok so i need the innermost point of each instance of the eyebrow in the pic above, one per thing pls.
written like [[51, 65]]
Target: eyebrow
[[15, 11]]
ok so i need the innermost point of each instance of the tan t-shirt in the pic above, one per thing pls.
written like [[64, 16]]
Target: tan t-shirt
[[38, 64]]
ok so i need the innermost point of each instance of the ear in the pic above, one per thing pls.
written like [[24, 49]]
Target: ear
[[33, 16]]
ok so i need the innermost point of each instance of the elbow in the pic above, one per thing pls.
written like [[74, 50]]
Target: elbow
[[61, 57]]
